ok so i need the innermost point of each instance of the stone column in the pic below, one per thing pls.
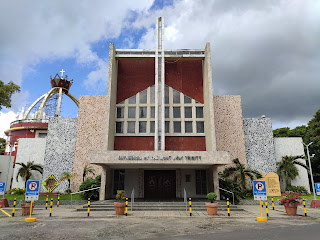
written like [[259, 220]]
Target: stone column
[[216, 181], [103, 183]]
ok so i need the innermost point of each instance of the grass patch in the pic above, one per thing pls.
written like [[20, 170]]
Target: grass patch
[[77, 196], [309, 196]]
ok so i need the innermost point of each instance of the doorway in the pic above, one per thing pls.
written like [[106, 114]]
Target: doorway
[[160, 184]]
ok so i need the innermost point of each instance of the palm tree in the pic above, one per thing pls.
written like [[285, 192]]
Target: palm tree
[[25, 171], [287, 170], [87, 169], [240, 173], [67, 176]]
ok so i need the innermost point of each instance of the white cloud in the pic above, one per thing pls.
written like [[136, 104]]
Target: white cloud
[[5, 120]]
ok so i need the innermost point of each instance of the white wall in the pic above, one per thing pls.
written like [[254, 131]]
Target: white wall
[[293, 146], [30, 149], [4, 161]]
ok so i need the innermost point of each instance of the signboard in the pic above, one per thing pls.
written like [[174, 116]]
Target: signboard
[[32, 191], [317, 185], [273, 184], [50, 183], [259, 190], [2, 188]]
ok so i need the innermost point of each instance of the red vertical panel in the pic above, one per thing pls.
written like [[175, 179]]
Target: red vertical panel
[[185, 143], [186, 76], [134, 75], [134, 143]]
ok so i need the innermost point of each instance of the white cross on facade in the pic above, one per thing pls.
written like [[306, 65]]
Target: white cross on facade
[[62, 72]]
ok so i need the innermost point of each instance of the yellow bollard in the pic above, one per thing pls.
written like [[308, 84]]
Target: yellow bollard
[[126, 206], [304, 208], [14, 207], [228, 207], [58, 202], [267, 210], [30, 219], [272, 203], [47, 202], [262, 218], [190, 207], [51, 202], [88, 207]]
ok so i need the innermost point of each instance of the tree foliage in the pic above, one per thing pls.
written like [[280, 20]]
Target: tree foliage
[[67, 176], [90, 183], [240, 173], [287, 170], [6, 91], [86, 170], [2, 146], [25, 170]]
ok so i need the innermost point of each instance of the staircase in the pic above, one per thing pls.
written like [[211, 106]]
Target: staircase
[[142, 205]]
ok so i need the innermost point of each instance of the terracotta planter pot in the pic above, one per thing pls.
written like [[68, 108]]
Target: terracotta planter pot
[[291, 209], [119, 207], [25, 207], [212, 208]]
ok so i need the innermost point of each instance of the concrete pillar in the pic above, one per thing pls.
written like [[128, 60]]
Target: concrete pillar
[[216, 181], [103, 183]]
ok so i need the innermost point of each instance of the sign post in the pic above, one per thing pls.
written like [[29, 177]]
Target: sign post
[[260, 193], [32, 191]]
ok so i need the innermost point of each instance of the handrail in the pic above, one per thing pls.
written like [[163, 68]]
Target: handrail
[[83, 191], [132, 198], [228, 192], [185, 198]]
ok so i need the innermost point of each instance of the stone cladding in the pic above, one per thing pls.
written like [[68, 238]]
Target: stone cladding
[[91, 130], [229, 127], [59, 151], [259, 144]]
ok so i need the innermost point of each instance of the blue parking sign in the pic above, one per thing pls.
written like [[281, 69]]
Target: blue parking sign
[[317, 185], [32, 191], [259, 190], [2, 188]]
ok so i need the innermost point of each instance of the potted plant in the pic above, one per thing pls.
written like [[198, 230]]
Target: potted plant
[[212, 207], [291, 201], [120, 205]]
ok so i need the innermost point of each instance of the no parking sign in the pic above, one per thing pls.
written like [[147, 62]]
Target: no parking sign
[[259, 190], [32, 191]]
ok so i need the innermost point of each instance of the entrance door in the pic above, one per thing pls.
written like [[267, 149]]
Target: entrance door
[[160, 184]]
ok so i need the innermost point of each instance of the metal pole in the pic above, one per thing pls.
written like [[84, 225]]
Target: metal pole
[[314, 192], [10, 134]]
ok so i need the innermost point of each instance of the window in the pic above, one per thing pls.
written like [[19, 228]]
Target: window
[[200, 127], [188, 127], [131, 127], [176, 96], [131, 112], [188, 112], [187, 99], [132, 100], [119, 127], [199, 111], [143, 112], [142, 127], [166, 112], [118, 180], [152, 96], [176, 112], [201, 182], [177, 127], [166, 95], [120, 112], [167, 127], [152, 112], [152, 127], [143, 96]]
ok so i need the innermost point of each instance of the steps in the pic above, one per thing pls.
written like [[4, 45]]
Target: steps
[[107, 205]]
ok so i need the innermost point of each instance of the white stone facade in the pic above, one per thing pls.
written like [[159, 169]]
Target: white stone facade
[[292, 146], [30, 149]]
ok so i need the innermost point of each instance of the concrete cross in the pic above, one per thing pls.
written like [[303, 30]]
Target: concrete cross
[[62, 72]]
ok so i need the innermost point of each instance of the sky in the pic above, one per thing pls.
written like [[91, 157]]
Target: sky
[[267, 51]]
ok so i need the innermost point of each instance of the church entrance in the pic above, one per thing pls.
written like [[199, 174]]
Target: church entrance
[[159, 184]]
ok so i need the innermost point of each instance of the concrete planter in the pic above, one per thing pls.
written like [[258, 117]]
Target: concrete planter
[[212, 208]]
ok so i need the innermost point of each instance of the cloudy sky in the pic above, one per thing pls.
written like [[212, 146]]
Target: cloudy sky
[[267, 51]]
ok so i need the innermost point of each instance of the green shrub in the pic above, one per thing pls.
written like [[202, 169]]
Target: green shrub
[[299, 189], [121, 195], [212, 196], [17, 191], [88, 184]]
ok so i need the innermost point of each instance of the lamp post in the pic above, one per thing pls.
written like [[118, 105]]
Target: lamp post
[[314, 192]]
